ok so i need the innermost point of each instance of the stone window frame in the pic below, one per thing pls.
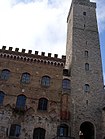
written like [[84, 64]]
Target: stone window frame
[[43, 104], [15, 131], [62, 130], [21, 102], [5, 74], [66, 84], [25, 78], [45, 81]]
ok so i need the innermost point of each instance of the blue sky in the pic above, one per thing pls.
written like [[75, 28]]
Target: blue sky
[[41, 25]]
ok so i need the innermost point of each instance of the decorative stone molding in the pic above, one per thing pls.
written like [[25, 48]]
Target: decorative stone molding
[[32, 58]]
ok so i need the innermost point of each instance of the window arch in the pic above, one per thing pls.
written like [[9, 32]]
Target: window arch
[[25, 78], [5, 74], [45, 81], [86, 66], [86, 54], [42, 105], [62, 130], [87, 88], [66, 84], [15, 130], [39, 133], [21, 101], [1, 97]]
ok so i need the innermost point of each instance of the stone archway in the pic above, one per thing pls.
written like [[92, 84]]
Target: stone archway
[[39, 133], [87, 130]]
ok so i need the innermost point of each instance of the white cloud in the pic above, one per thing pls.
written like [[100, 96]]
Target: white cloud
[[37, 24]]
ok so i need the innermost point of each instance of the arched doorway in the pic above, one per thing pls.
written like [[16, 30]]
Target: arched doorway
[[87, 130], [39, 133]]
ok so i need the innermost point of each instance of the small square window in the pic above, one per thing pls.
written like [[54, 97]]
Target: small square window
[[84, 13], [66, 72]]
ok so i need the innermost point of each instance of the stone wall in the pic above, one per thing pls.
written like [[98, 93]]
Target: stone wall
[[32, 117]]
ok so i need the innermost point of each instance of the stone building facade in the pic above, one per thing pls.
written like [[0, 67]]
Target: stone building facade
[[45, 97]]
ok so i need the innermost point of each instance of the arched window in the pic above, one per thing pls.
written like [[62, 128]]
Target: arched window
[[66, 84], [5, 74], [86, 66], [87, 88], [21, 101], [86, 54], [15, 131], [42, 105], [25, 78], [39, 133], [45, 81], [1, 97], [62, 130]]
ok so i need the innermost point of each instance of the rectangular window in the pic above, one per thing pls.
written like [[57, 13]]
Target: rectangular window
[[15, 131]]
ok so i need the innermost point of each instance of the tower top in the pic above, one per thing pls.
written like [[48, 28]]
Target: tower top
[[79, 1]]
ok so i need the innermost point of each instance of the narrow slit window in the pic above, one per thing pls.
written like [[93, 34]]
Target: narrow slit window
[[86, 54], [86, 66], [87, 88]]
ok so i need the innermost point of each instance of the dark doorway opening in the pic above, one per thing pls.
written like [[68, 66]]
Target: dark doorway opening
[[39, 133], [87, 130]]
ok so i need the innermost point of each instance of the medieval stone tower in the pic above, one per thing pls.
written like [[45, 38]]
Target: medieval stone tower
[[84, 63], [45, 97]]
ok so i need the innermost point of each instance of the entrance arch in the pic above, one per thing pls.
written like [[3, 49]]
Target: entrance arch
[[87, 130], [39, 133]]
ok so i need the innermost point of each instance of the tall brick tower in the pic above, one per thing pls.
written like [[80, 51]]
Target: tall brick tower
[[83, 60]]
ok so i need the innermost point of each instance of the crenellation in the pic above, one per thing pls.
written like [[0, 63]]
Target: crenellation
[[49, 54], [23, 50], [20, 55], [63, 57], [10, 48], [36, 52], [29, 51], [3, 47], [51, 61], [43, 54], [16, 49], [56, 55]]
